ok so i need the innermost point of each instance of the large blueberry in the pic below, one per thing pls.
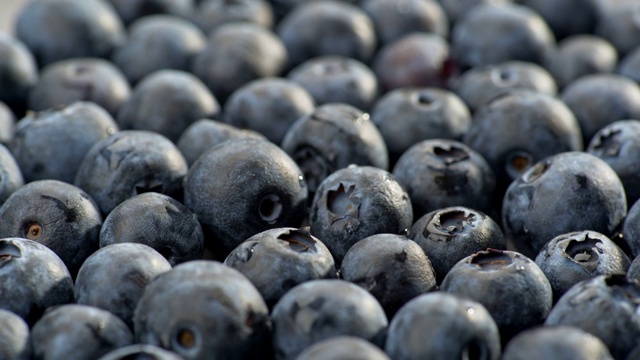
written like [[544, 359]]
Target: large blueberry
[[11, 178], [242, 187], [343, 347], [14, 337], [570, 191], [201, 310], [442, 326], [356, 202], [278, 259]]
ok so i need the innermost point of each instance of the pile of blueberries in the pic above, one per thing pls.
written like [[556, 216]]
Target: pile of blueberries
[[326, 179]]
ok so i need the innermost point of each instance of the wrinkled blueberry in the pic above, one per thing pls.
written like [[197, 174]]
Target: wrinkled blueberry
[[343, 347], [141, 352], [214, 13], [11, 178], [14, 337]]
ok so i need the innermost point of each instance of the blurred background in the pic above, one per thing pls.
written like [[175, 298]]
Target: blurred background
[[8, 11]]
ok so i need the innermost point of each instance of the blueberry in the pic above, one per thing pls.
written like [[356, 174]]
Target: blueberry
[[141, 352], [131, 10], [570, 258], [268, 106], [80, 79], [129, 163], [566, 17], [14, 337], [631, 229], [204, 134], [438, 173], [278, 259], [51, 144], [7, 123], [407, 116], [18, 73], [343, 347], [158, 221], [167, 102], [78, 332], [605, 306], [556, 343], [618, 23], [629, 66], [201, 310], [158, 42], [634, 270], [321, 309], [56, 214], [333, 137], [618, 144], [337, 79], [83, 28], [442, 326], [510, 285], [357, 202], [393, 268], [451, 234], [242, 187], [457, 9], [570, 191], [32, 279], [213, 13], [11, 178]]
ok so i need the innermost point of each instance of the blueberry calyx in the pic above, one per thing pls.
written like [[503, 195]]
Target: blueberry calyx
[[518, 162], [426, 99], [475, 350], [584, 251], [491, 259], [607, 144], [341, 202], [8, 252], [535, 172], [186, 338], [450, 154], [624, 288], [313, 165], [299, 240], [34, 231], [503, 77], [444, 225], [270, 208]]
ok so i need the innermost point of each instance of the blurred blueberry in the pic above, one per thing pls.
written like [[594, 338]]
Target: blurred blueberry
[[7, 123], [631, 228], [344, 347], [213, 13], [618, 23], [14, 337], [18, 73], [141, 352], [634, 270], [629, 66], [457, 9], [131, 10], [10, 175], [566, 17]]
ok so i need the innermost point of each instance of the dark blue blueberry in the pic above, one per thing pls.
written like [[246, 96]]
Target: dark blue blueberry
[[570, 258], [629, 66], [141, 352], [158, 221], [457, 9], [321, 309], [52, 144], [131, 10], [78, 332], [631, 228], [133, 265], [566, 17], [451, 234], [278, 259], [7, 123], [10, 175], [442, 326], [439, 173], [393, 268], [268, 106], [18, 73], [56, 214], [201, 310], [158, 42], [80, 79], [14, 337], [570, 191], [129, 163], [213, 13], [510, 285], [32, 279], [618, 23], [242, 187], [343, 347], [356, 202], [167, 102], [605, 306]]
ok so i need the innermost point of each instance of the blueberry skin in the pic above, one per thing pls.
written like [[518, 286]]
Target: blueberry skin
[[450, 234], [618, 144], [7, 123], [321, 309], [597, 100], [331, 79], [131, 10], [226, 318], [214, 13], [32, 279], [356, 202], [393, 268], [480, 85], [634, 270], [205, 134], [581, 55], [134, 265], [167, 102], [80, 79], [629, 65], [407, 116], [14, 337], [78, 332], [327, 27], [242, 187], [584, 305], [83, 28], [456, 9], [268, 106], [276, 260], [618, 23], [343, 347], [570, 258], [158, 42], [439, 173], [510, 286], [631, 228], [18, 72], [333, 137], [570, 191], [11, 178], [566, 17], [140, 352], [52, 144], [56, 214], [556, 343], [442, 326], [129, 163], [473, 38]]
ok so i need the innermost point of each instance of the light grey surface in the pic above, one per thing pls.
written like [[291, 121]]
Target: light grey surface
[[8, 12]]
